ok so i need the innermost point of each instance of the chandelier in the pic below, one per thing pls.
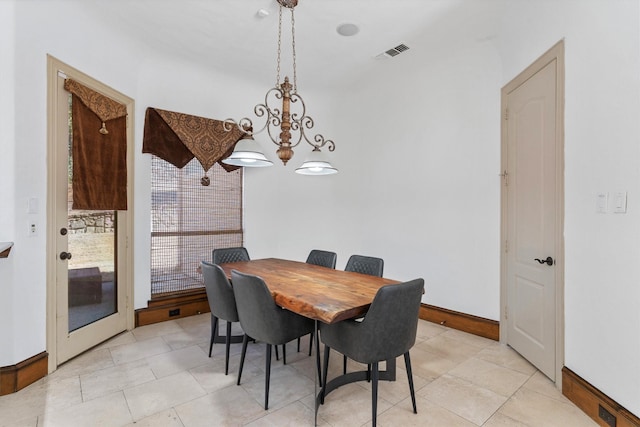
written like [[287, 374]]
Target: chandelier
[[286, 120]]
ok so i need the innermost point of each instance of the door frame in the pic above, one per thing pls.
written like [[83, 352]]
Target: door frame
[[554, 53], [125, 248]]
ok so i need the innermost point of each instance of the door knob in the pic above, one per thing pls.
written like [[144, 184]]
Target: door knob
[[65, 255], [548, 261]]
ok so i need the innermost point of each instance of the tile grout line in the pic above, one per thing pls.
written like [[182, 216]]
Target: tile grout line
[[509, 399]]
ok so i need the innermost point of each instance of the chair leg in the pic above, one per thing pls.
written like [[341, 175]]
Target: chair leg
[[268, 377], [344, 365], [228, 346], [407, 364], [277, 354], [374, 392], [245, 341], [284, 353], [327, 350], [310, 343], [214, 329]]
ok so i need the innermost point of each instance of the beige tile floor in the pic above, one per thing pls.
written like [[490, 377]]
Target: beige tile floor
[[160, 375]]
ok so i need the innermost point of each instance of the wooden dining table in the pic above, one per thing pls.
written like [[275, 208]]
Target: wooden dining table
[[322, 294], [316, 292]]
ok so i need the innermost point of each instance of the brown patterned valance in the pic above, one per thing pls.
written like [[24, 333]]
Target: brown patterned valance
[[102, 106], [178, 138], [99, 179]]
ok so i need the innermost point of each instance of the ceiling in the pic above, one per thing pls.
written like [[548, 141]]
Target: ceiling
[[231, 36]]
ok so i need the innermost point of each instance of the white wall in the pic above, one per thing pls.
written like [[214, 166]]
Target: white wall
[[602, 133], [418, 151], [430, 177], [7, 176], [418, 148]]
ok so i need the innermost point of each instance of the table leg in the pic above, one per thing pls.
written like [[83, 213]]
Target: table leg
[[234, 339], [318, 378], [389, 374], [318, 364]]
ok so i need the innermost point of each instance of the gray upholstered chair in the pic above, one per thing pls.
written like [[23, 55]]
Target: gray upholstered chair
[[322, 258], [387, 331], [221, 302], [365, 265], [224, 255], [264, 321]]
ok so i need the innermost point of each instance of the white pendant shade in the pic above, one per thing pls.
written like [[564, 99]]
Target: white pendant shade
[[316, 164], [247, 153]]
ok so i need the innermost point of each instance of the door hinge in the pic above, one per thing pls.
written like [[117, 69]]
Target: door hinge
[[506, 114], [506, 312], [505, 177], [506, 246]]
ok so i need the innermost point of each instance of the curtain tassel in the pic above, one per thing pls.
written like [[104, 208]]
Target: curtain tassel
[[103, 129]]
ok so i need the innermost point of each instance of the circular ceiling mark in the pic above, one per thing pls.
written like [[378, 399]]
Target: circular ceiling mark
[[348, 29]]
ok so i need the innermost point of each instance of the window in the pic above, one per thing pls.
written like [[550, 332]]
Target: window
[[189, 220]]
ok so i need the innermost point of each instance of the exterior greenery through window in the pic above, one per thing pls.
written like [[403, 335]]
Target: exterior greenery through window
[[189, 220]]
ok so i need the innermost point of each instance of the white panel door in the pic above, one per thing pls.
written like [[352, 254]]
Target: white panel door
[[533, 216]]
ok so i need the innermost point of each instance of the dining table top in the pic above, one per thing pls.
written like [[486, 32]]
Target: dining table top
[[316, 292]]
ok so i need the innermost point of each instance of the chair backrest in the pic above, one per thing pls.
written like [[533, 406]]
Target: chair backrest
[[322, 258], [259, 315], [219, 292], [390, 325], [365, 265], [224, 255]]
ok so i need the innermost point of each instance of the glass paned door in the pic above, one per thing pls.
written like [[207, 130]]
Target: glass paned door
[[90, 252], [92, 276]]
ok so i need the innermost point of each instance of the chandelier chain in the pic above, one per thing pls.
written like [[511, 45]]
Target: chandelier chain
[[279, 46], [293, 49]]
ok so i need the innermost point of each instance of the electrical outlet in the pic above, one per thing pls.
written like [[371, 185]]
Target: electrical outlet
[[33, 229], [174, 312], [606, 416]]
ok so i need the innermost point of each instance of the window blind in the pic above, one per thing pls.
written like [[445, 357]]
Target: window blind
[[189, 220]]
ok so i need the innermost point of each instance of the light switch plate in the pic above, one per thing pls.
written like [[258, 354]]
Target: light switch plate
[[32, 206], [620, 202], [602, 202]]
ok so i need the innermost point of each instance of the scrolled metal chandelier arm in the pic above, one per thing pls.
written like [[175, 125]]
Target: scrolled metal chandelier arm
[[244, 124], [306, 122], [321, 142]]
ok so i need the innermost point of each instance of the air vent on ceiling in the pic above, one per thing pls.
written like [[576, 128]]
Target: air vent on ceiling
[[393, 51]]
